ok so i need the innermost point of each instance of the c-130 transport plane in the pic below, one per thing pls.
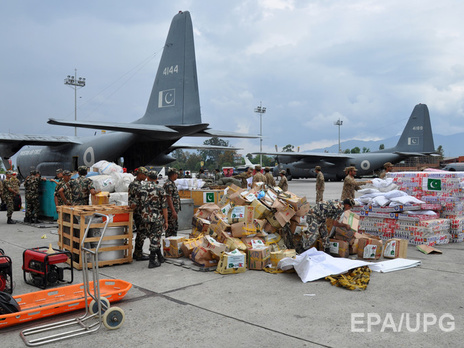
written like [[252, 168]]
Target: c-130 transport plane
[[416, 140], [173, 112]]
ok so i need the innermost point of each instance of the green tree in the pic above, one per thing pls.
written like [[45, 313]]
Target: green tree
[[381, 147], [347, 151], [288, 148], [356, 150], [441, 152], [366, 149]]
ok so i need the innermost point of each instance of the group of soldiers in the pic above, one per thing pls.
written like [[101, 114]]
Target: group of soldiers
[[266, 178], [9, 188], [75, 191], [156, 209]]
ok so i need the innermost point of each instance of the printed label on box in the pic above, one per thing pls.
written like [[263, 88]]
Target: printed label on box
[[369, 251], [334, 246]]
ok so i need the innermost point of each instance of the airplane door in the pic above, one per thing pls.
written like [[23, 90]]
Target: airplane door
[[75, 162]]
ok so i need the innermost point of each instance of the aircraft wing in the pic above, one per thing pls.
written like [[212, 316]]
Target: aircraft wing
[[12, 143], [143, 129], [223, 134], [203, 147], [297, 156]]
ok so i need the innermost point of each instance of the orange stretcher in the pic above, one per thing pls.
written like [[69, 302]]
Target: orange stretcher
[[45, 303]]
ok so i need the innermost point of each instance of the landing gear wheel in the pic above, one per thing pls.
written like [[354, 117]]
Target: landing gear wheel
[[105, 304], [113, 318]]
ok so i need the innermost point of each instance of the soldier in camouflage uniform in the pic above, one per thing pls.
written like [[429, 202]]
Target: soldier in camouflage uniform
[[283, 183], [320, 184], [388, 167], [350, 185], [82, 187], [243, 177], [154, 216], [258, 177], [10, 190], [269, 177], [173, 200], [134, 187], [317, 227], [63, 193], [31, 185]]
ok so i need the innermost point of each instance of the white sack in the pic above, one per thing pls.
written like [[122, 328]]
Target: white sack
[[104, 183]]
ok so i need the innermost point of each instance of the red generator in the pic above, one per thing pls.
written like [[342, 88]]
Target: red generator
[[6, 273], [41, 266]]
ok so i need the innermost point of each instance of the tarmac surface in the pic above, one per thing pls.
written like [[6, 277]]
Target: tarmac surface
[[174, 306]]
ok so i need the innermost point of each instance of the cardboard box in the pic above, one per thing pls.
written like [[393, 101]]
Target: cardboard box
[[249, 240], [351, 219], [206, 210], [261, 210], [273, 222], [339, 248], [214, 246], [203, 257], [355, 244], [395, 247], [218, 224], [189, 244], [200, 224], [242, 229], [258, 258], [236, 214], [172, 247], [101, 198], [235, 243], [342, 233], [232, 262], [276, 256], [369, 248], [303, 210], [292, 199]]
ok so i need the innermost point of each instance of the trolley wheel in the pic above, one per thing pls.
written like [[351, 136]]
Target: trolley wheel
[[105, 304], [113, 318]]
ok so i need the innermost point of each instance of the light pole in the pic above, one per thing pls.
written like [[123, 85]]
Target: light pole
[[260, 110], [339, 123], [72, 81]]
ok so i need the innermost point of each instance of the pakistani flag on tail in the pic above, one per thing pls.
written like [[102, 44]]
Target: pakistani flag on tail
[[433, 184]]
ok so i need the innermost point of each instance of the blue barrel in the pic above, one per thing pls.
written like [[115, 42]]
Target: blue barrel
[[47, 199]]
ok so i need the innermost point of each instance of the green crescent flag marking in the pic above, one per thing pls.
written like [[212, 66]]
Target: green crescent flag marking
[[209, 197], [433, 184]]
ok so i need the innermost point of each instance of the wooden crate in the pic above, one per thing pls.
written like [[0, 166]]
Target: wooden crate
[[72, 225], [201, 197]]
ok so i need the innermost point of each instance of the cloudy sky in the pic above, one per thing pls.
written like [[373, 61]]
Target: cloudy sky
[[310, 63]]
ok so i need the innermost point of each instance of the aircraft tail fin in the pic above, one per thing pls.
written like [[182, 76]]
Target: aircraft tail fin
[[417, 135], [175, 98], [248, 162]]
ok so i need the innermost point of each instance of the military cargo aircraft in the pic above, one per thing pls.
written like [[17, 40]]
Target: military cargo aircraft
[[416, 140], [173, 112]]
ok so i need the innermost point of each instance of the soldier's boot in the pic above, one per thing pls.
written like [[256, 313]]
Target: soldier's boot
[[160, 256], [36, 220], [10, 221], [139, 256], [153, 260]]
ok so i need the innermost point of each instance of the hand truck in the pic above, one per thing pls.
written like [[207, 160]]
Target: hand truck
[[96, 313]]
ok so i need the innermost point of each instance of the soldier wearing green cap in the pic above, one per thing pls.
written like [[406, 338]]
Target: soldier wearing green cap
[[10, 190], [31, 186], [134, 203], [154, 216], [63, 194], [82, 187], [173, 200]]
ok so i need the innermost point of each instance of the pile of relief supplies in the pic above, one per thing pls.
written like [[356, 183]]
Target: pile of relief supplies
[[110, 178], [272, 230], [420, 207]]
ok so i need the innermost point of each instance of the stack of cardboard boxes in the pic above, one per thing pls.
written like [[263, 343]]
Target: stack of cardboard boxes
[[244, 232]]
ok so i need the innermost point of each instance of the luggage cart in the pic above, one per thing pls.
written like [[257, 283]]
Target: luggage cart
[[96, 313]]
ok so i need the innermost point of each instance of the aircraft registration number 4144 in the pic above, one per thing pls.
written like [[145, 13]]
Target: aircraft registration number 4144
[[171, 70]]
